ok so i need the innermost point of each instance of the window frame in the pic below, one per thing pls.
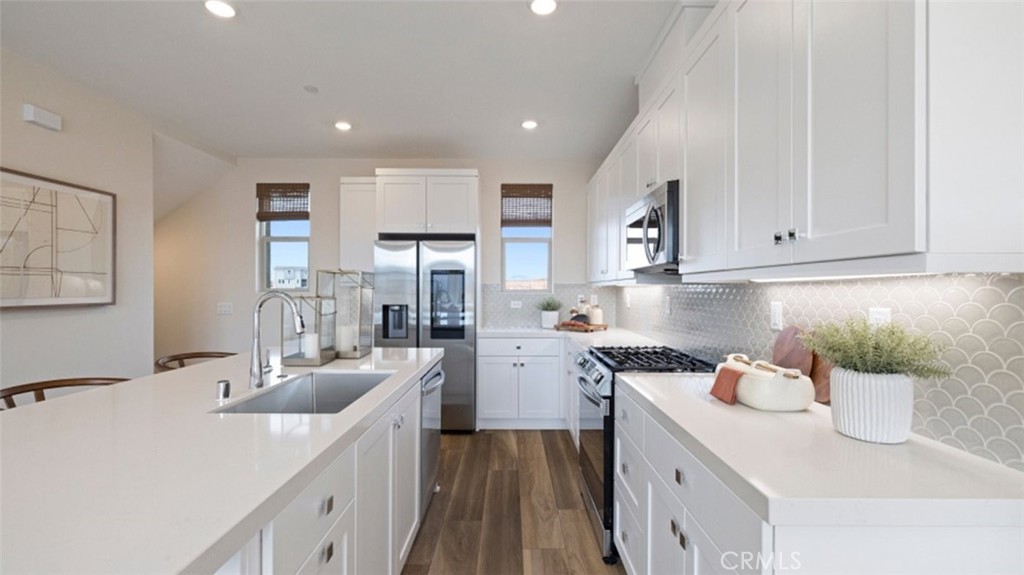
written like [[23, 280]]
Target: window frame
[[264, 280], [545, 191]]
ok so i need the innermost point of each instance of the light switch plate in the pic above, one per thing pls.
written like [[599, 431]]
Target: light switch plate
[[879, 315], [593, 299], [516, 304], [628, 305], [668, 305], [776, 315]]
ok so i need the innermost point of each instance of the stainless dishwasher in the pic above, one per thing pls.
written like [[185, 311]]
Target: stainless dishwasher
[[430, 434]]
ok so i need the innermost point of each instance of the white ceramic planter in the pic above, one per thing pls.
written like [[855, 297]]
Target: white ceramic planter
[[548, 319], [875, 407]]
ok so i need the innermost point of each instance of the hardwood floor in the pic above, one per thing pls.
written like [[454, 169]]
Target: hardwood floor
[[509, 504]]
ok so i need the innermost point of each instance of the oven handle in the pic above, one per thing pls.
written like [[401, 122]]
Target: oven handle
[[584, 383], [647, 220]]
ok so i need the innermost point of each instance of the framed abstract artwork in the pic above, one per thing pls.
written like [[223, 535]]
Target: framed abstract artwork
[[57, 243]]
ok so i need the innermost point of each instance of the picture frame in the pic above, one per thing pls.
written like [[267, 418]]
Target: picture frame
[[58, 243]]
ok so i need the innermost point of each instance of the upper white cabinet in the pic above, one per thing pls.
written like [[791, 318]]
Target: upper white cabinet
[[629, 178], [427, 201], [859, 119], [357, 231], [706, 85], [658, 140]]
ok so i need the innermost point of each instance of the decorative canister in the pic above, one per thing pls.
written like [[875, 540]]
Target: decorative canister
[[875, 407]]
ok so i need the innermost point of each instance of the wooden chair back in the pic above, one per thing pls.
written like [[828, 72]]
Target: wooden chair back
[[38, 388], [180, 360]]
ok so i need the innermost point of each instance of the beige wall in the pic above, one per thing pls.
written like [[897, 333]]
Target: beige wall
[[205, 251], [106, 146]]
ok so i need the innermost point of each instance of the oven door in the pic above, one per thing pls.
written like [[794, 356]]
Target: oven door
[[595, 458]]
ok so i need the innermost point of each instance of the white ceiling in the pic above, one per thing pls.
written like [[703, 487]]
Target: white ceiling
[[424, 79]]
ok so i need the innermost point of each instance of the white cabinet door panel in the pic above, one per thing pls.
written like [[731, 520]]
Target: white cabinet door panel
[[451, 204], [669, 113], [405, 510], [401, 204], [497, 387], [538, 388], [373, 499]]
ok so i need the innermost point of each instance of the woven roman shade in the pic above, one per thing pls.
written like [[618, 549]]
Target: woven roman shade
[[282, 202], [526, 205]]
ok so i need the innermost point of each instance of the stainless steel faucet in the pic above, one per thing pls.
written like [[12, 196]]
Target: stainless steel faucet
[[256, 365]]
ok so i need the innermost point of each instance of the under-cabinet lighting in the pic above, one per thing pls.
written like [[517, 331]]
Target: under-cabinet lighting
[[833, 278], [543, 7], [220, 8]]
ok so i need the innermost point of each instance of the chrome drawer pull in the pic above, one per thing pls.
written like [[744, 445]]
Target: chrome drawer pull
[[682, 540], [673, 527], [679, 476], [625, 416], [328, 553], [328, 505], [625, 539], [625, 469]]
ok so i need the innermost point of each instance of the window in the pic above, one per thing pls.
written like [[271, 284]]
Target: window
[[283, 219], [526, 237]]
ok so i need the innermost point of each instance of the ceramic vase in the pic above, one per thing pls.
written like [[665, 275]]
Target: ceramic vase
[[548, 319], [874, 407]]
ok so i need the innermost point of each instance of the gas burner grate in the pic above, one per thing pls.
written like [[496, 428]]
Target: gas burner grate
[[634, 358]]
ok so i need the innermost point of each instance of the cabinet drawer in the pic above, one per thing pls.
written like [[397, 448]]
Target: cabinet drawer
[[525, 346], [312, 513], [724, 517], [335, 555], [629, 416], [630, 540], [630, 479]]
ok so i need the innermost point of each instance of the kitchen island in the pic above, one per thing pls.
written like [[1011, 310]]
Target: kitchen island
[[141, 477]]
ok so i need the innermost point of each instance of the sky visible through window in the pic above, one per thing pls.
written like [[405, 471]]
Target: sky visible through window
[[525, 262], [289, 254]]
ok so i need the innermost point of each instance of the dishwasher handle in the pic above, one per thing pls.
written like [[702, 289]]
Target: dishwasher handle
[[430, 387]]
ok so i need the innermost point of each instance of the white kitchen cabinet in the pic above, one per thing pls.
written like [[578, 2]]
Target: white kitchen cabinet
[[658, 140], [706, 85], [357, 228], [248, 560], [387, 475], [570, 394], [666, 540], [426, 201], [518, 384], [760, 197], [629, 180], [613, 214], [336, 554]]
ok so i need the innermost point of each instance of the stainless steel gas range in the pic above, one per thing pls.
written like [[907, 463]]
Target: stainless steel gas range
[[596, 382]]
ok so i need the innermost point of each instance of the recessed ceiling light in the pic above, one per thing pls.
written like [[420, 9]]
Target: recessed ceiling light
[[529, 125], [343, 126], [311, 89], [220, 8], [543, 7]]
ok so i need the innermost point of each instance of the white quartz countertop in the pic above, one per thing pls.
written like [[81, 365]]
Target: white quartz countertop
[[140, 477], [610, 337], [795, 469]]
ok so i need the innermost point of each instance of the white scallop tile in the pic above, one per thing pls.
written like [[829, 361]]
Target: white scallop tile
[[986, 427], [1003, 449], [1005, 415], [1006, 314]]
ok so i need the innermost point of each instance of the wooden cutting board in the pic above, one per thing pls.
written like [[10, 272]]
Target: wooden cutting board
[[792, 354], [582, 328]]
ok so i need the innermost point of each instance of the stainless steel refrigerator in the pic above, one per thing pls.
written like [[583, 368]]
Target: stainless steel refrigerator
[[425, 296]]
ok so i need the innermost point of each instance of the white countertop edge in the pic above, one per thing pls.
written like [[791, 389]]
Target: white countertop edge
[[847, 511], [613, 336]]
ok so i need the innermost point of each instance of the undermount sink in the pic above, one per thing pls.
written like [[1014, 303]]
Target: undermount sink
[[318, 392]]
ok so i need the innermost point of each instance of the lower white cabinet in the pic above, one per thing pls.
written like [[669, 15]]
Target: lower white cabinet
[[518, 385], [570, 393], [387, 486], [336, 554]]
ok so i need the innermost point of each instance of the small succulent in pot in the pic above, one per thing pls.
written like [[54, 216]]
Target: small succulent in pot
[[872, 392], [549, 304], [549, 307]]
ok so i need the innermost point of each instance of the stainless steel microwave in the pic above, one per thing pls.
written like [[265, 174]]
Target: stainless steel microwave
[[652, 231]]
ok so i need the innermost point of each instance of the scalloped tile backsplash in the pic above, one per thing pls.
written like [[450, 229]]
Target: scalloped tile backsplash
[[980, 317]]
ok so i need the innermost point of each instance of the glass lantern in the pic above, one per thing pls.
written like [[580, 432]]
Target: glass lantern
[[316, 345], [353, 293]]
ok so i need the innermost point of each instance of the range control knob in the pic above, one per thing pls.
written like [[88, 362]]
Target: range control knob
[[598, 378], [581, 361]]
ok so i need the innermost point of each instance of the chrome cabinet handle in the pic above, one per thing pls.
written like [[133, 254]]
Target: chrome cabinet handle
[[673, 527], [327, 553], [680, 476], [778, 238], [682, 540], [625, 538], [625, 415], [522, 365], [625, 469], [327, 506]]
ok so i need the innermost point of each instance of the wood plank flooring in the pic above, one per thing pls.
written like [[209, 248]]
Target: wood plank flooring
[[509, 505]]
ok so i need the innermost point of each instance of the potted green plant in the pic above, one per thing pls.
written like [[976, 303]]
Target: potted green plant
[[549, 307], [871, 388]]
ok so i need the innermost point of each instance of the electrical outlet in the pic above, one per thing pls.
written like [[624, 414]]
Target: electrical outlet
[[580, 298], [668, 305], [593, 299], [627, 301], [225, 308], [516, 304], [879, 315], [776, 315]]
